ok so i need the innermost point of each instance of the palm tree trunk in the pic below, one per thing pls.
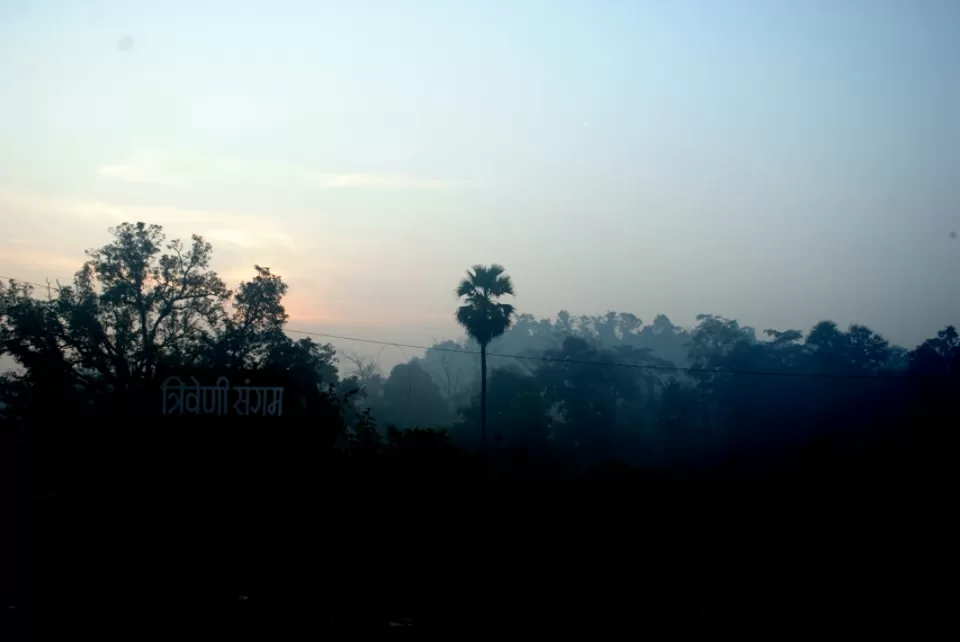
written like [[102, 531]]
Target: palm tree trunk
[[483, 396]]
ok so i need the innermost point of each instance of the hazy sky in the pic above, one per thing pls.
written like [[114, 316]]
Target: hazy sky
[[779, 162]]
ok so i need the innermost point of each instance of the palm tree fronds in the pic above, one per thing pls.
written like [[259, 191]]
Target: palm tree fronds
[[465, 288]]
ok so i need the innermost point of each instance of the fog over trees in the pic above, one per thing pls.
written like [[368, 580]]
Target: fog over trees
[[517, 398], [581, 389]]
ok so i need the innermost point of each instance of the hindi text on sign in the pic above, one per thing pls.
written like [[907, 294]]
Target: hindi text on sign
[[181, 398]]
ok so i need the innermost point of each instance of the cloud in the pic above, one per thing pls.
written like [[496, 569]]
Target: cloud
[[221, 228], [141, 174], [186, 170], [18, 259], [375, 181], [334, 275], [64, 228]]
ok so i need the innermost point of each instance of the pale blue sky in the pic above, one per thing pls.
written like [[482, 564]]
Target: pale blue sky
[[775, 161]]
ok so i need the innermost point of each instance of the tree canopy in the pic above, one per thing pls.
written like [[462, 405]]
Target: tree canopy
[[482, 315], [584, 388], [604, 397]]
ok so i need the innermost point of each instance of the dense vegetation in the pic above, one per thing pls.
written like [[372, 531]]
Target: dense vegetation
[[586, 390], [607, 397]]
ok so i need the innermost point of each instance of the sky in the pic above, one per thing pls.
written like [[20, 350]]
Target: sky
[[774, 161]]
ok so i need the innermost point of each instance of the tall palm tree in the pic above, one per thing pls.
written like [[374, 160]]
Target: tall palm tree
[[484, 318]]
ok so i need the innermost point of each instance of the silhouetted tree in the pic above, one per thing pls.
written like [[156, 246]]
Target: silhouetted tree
[[134, 307], [364, 368], [484, 318], [520, 419], [411, 399], [939, 356], [602, 407], [453, 368], [140, 306]]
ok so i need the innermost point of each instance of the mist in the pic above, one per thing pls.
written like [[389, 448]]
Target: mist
[[473, 318]]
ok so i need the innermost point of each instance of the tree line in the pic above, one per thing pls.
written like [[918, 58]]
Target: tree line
[[581, 390], [591, 389], [364, 482]]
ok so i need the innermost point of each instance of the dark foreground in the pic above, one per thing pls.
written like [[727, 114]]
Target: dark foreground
[[222, 541]]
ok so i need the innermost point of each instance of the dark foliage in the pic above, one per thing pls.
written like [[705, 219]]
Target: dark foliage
[[621, 482]]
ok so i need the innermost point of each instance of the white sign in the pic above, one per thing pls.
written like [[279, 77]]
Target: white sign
[[182, 398]]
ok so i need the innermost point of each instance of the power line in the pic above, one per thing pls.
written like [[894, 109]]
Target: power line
[[609, 364], [39, 285]]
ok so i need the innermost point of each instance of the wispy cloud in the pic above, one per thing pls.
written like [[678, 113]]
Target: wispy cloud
[[17, 259], [68, 226], [375, 181], [182, 170], [141, 174], [223, 228], [334, 274]]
